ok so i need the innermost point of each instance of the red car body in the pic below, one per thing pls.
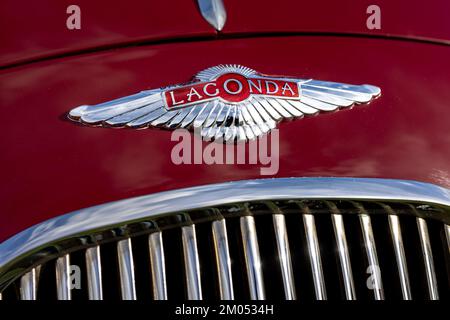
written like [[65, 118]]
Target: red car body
[[49, 166]]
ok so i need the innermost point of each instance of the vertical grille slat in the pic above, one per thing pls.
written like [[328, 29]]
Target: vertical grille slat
[[344, 257], [428, 259], [223, 261], [126, 269], [252, 258], [158, 266], [192, 264], [28, 285], [396, 233], [372, 257], [284, 255], [94, 273], [314, 254], [63, 291]]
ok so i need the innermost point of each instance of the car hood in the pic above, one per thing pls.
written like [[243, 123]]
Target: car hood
[[38, 31], [52, 166]]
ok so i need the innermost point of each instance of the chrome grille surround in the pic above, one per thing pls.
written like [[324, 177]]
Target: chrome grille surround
[[22, 256]]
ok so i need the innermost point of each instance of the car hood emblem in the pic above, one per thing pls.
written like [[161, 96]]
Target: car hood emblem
[[227, 103]]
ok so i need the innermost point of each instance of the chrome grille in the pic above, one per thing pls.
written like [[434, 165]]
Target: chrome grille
[[287, 249]]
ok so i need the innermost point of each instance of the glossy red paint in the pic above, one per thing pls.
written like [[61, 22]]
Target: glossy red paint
[[37, 29], [33, 30], [50, 166]]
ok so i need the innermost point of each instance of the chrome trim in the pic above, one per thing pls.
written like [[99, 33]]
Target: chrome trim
[[428, 259], [119, 212], [191, 263], [63, 278], [252, 258], [223, 261], [372, 257], [344, 257], [314, 256], [28, 285], [94, 273], [284, 255], [126, 269], [447, 235], [158, 266], [154, 108], [214, 12], [397, 240]]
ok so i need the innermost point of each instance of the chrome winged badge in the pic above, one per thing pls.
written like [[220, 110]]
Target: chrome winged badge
[[226, 102]]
